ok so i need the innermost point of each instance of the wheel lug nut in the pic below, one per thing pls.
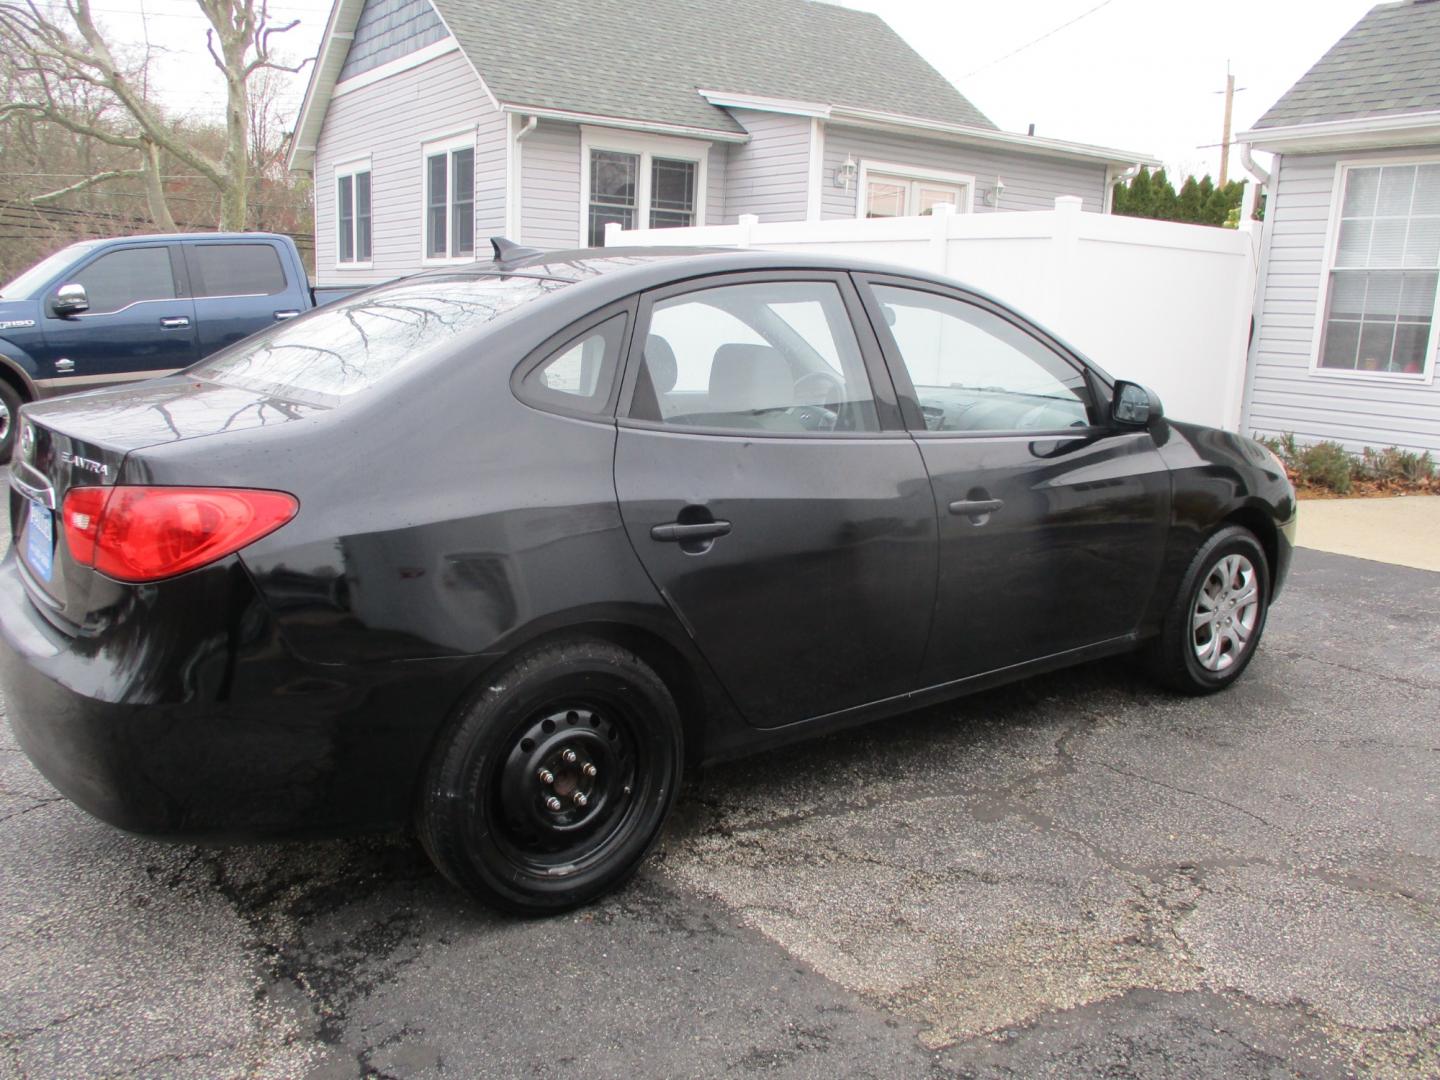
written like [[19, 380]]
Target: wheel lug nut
[[552, 803], [580, 799], [546, 776], [568, 757], [589, 769]]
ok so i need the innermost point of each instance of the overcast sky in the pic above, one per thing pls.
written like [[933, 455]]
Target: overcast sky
[[1139, 75]]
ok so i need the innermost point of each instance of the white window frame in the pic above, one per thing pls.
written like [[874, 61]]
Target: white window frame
[[1327, 267], [433, 147], [912, 173], [648, 147], [353, 168]]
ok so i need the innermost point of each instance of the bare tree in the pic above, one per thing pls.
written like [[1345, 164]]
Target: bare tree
[[239, 40]]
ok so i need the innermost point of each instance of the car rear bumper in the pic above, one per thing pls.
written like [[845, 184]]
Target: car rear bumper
[[227, 738]]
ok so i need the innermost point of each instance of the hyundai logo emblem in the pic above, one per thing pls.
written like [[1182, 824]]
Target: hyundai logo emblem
[[27, 440]]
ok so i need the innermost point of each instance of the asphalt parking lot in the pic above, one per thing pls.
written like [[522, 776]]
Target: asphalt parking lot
[[1078, 875]]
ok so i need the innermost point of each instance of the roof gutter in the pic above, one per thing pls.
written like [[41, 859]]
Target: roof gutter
[[1351, 133], [682, 130]]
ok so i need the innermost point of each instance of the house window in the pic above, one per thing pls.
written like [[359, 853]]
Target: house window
[[1380, 303], [895, 191], [450, 199], [640, 182], [352, 214]]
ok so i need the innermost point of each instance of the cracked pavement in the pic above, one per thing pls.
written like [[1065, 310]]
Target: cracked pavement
[[1075, 875]]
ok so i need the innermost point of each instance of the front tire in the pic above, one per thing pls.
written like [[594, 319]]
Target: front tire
[[1214, 624], [10, 402], [554, 781]]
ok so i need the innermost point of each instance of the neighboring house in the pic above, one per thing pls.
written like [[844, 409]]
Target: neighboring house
[[1344, 345], [431, 125]]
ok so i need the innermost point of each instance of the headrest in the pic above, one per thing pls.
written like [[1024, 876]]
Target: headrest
[[660, 360], [748, 377]]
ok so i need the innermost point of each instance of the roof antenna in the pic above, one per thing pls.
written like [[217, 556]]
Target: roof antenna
[[508, 250]]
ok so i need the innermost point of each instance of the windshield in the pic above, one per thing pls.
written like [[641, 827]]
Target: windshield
[[350, 345], [44, 270]]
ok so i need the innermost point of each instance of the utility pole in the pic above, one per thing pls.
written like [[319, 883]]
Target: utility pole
[[1225, 138]]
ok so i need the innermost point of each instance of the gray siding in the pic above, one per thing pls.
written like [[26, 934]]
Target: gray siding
[[388, 30], [1282, 393], [1031, 182], [769, 175], [390, 120], [550, 211]]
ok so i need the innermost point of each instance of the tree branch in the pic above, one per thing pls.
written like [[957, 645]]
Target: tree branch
[[89, 181]]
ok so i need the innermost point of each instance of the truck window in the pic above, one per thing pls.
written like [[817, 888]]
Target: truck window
[[236, 270], [118, 279]]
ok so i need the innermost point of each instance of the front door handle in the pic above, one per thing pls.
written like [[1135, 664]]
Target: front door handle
[[175, 322], [678, 533], [977, 510], [281, 316]]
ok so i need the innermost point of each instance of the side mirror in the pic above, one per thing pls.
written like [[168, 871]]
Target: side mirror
[[71, 299], [1135, 406]]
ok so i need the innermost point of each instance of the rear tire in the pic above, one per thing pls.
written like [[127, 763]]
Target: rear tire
[[553, 782], [10, 402], [1214, 624]]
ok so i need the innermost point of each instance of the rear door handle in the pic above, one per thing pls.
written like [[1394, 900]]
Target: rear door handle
[[704, 530], [977, 510], [281, 316], [175, 322]]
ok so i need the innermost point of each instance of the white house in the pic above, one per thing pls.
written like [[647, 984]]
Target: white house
[[1344, 345], [430, 125]]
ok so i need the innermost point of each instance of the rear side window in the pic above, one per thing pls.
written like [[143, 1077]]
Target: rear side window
[[330, 353], [237, 270], [578, 376], [118, 279]]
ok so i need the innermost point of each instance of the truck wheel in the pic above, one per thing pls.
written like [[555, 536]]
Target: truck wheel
[[10, 403], [552, 783]]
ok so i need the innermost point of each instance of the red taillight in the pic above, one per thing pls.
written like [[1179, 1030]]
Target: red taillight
[[148, 533]]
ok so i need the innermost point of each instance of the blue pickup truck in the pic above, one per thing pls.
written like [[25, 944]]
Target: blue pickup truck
[[136, 307]]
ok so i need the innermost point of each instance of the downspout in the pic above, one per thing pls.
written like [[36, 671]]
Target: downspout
[[1262, 274], [1113, 180], [513, 169]]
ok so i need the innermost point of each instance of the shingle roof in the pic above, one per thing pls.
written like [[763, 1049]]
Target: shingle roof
[[645, 59], [1389, 63]]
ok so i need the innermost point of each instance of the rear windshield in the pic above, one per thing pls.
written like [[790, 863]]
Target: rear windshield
[[341, 349]]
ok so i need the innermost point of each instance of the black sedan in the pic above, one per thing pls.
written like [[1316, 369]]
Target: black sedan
[[500, 551]]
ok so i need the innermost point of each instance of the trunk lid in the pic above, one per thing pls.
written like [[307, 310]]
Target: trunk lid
[[85, 440]]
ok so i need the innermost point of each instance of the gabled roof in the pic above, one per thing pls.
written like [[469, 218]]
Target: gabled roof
[[645, 59], [1387, 65]]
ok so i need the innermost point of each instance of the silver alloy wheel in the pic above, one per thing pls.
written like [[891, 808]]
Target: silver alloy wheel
[[4, 420], [1226, 609]]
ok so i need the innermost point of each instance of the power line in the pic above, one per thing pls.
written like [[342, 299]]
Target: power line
[[1036, 41]]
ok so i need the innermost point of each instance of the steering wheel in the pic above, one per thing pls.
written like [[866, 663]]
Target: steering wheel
[[814, 417], [823, 388]]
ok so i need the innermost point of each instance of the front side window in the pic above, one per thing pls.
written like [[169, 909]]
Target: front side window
[[974, 371], [640, 190], [777, 357], [450, 202], [1381, 296], [352, 213], [129, 276]]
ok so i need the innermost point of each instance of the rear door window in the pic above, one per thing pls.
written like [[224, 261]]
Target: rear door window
[[236, 270], [119, 279], [773, 356]]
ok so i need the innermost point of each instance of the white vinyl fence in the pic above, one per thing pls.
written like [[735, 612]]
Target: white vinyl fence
[[1160, 303]]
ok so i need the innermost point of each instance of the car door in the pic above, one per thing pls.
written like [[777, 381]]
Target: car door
[[1052, 521], [239, 288], [772, 495], [140, 323]]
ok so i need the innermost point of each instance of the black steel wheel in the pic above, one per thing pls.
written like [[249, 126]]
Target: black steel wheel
[[554, 781]]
